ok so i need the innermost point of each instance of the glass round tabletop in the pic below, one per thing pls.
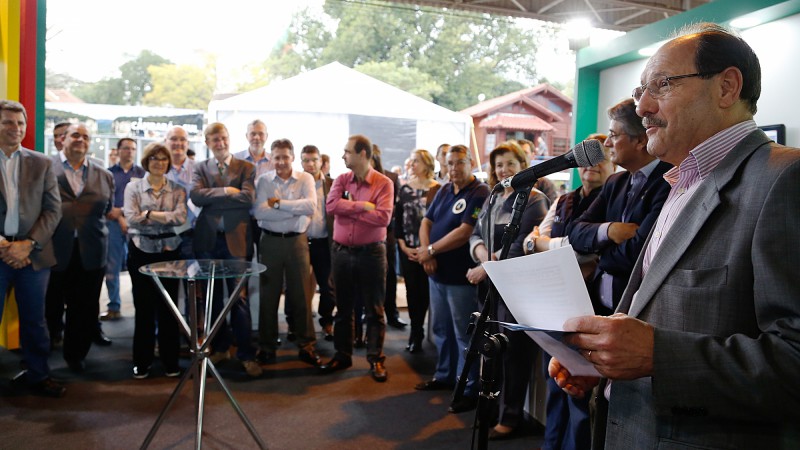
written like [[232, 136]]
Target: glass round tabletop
[[203, 269]]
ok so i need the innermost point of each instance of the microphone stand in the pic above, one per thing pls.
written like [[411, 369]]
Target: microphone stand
[[482, 341]]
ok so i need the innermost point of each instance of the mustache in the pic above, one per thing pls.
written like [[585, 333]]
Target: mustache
[[653, 122]]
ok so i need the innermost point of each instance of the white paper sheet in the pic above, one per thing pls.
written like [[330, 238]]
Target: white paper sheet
[[542, 291]]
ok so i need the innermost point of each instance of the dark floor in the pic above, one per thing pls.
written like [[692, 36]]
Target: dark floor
[[290, 406]]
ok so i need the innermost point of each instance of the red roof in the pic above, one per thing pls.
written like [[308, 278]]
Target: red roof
[[524, 95], [515, 122]]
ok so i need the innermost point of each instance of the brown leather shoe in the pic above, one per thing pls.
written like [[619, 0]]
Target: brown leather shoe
[[378, 371], [111, 315]]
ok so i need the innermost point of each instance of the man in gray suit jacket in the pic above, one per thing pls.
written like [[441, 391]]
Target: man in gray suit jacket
[[30, 209], [224, 187], [80, 243], [704, 351]]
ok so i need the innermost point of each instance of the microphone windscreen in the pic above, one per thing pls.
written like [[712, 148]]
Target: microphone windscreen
[[589, 153]]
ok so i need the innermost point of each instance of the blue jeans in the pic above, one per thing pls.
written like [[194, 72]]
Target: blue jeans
[[241, 321], [568, 426], [117, 252], [30, 287], [451, 307]]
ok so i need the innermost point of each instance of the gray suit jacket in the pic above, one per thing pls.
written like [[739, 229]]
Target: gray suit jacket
[[39, 205], [85, 213], [723, 295], [208, 193]]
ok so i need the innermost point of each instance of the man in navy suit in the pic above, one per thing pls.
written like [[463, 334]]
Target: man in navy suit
[[617, 223]]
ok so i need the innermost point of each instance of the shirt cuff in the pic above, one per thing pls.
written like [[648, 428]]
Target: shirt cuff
[[602, 233], [558, 242], [472, 244]]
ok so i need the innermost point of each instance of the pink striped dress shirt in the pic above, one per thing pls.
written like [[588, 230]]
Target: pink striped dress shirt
[[686, 178]]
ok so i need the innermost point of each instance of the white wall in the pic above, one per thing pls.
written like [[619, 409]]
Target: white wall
[[777, 45], [616, 85]]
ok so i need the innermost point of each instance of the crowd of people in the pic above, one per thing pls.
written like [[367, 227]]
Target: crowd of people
[[683, 253]]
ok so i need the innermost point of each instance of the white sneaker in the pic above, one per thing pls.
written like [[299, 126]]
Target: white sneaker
[[140, 373]]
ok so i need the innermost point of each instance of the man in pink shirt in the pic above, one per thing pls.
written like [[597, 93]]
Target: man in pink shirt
[[361, 204]]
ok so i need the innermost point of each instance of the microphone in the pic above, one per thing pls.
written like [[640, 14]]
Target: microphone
[[585, 154]]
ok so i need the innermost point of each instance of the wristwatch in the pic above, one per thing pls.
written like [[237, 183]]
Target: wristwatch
[[530, 245], [35, 245], [277, 204], [431, 250]]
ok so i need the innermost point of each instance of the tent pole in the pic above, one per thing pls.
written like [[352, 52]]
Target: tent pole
[[475, 146]]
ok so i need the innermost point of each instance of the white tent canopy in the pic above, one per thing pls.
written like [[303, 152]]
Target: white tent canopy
[[324, 106]]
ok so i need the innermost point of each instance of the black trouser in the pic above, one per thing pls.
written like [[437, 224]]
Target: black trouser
[[150, 305], [79, 289], [517, 370], [320, 253], [418, 295], [360, 271]]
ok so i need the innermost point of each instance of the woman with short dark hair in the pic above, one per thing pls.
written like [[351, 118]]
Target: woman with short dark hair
[[153, 207]]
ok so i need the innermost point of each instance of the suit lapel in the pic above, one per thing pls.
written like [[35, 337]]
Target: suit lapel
[[213, 172], [61, 175], [687, 225]]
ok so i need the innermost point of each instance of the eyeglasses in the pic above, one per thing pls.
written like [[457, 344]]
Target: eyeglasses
[[659, 87], [156, 158], [613, 135]]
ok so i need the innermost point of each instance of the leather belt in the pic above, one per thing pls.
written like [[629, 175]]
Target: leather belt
[[281, 235], [156, 236], [356, 248]]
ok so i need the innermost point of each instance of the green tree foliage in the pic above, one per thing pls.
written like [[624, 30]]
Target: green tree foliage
[[136, 77], [127, 89], [444, 56], [108, 91], [180, 86]]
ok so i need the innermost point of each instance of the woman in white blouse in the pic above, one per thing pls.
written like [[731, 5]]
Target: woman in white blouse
[[154, 206]]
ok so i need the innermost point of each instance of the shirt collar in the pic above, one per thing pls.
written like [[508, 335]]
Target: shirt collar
[[250, 158], [64, 159], [704, 158], [227, 160], [167, 185], [295, 175], [648, 169], [13, 154]]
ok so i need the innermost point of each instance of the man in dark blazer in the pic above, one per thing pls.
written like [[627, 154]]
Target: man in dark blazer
[[704, 350], [80, 243], [617, 223], [30, 209], [224, 187]]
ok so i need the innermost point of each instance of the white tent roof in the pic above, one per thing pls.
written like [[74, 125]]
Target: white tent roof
[[337, 89]]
